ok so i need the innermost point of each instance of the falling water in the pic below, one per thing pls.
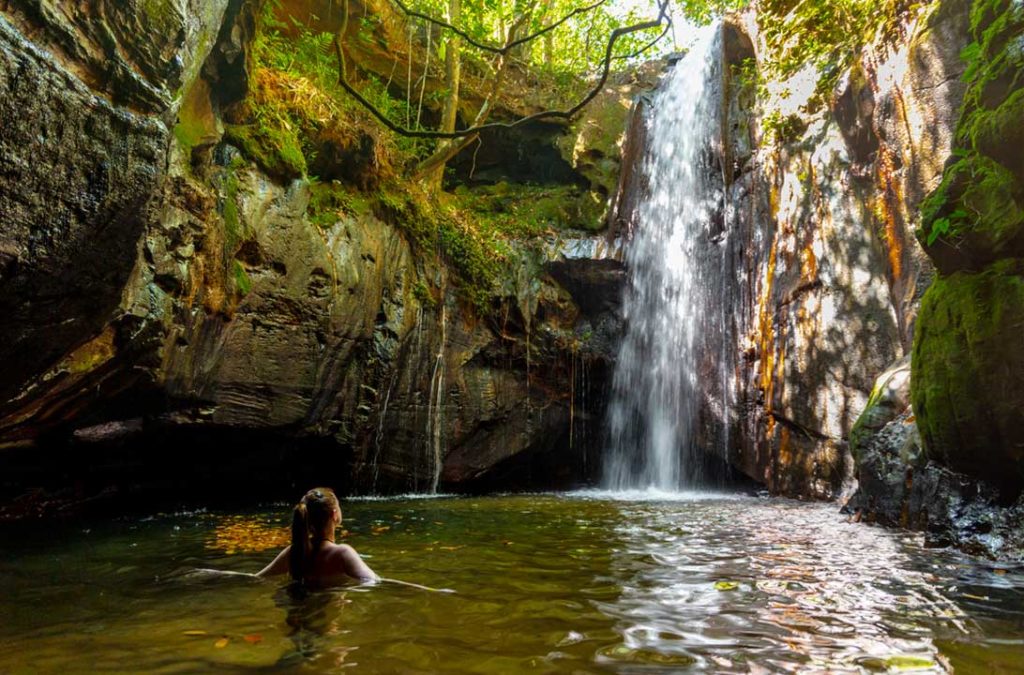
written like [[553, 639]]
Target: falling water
[[435, 416], [654, 411]]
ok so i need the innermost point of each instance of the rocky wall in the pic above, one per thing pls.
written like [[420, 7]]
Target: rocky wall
[[813, 255], [173, 310], [942, 452]]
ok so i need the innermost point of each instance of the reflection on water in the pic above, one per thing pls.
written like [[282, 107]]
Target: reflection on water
[[589, 582]]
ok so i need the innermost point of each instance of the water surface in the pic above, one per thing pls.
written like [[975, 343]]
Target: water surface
[[546, 583]]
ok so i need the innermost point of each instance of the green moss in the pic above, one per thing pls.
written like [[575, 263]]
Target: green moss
[[524, 211], [976, 203], [188, 132], [242, 281], [229, 211], [999, 133], [423, 295], [476, 263], [328, 201], [276, 150], [162, 16], [968, 364], [863, 427]]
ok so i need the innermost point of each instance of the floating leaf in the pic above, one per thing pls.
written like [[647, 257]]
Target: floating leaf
[[194, 633], [726, 585], [240, 534], [908, 663], [221, 643], [253, 639]]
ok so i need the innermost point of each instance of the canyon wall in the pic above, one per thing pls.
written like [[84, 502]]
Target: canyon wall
[[812, 273], [176, 311]]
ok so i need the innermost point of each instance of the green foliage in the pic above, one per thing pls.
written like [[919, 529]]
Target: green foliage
[[979, 206], [564, 60], [941, 227], [826, 35], [783, 128], [423, 295]]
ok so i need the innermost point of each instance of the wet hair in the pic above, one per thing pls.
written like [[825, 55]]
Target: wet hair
[[310, 518]]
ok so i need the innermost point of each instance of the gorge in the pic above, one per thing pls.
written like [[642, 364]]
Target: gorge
[[193, 293], [717, 369]]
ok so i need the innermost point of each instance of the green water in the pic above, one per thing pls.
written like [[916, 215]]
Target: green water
[[549, 583]]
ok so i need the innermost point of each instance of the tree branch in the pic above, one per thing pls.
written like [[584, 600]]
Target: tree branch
[[476, 129], [491, 48], [668, 27]]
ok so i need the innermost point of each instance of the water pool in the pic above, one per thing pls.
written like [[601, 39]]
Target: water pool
[[548, 583]]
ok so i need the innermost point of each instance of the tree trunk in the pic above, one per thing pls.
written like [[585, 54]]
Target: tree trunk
[[453, 78]]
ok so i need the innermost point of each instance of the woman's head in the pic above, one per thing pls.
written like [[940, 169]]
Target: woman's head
[[313, 520]]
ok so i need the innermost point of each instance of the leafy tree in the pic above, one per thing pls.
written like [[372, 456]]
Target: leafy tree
[[560, 39]]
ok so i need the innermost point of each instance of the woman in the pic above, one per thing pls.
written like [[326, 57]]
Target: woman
[[313, 558]]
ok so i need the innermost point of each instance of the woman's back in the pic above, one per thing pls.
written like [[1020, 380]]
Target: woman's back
[[313, 557], [336, 563]]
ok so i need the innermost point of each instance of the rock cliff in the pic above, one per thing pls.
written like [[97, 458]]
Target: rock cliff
[[813, 253], [181, 306]]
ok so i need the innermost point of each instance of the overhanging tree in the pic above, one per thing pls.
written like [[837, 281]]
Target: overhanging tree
[[516, 35], [453, 140]]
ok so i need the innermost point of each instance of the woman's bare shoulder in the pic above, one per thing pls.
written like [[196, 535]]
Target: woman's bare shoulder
[[349, 562]]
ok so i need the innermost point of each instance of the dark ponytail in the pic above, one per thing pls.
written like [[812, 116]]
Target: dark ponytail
[[309, 519], [302, 547]]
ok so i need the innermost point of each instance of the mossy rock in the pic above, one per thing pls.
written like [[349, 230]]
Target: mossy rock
[[968, 367], [999, 133], [276, 151], [889, 399], [975, 217]]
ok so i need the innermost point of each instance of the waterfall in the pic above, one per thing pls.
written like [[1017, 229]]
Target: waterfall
[[435, 403], [672, 258]]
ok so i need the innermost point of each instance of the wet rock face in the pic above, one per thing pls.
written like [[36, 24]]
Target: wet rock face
[[844, 276], [898, 486], [967, 358], [137, 53], [822, 274], [165, 292], [77, 175], [78, 171]]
